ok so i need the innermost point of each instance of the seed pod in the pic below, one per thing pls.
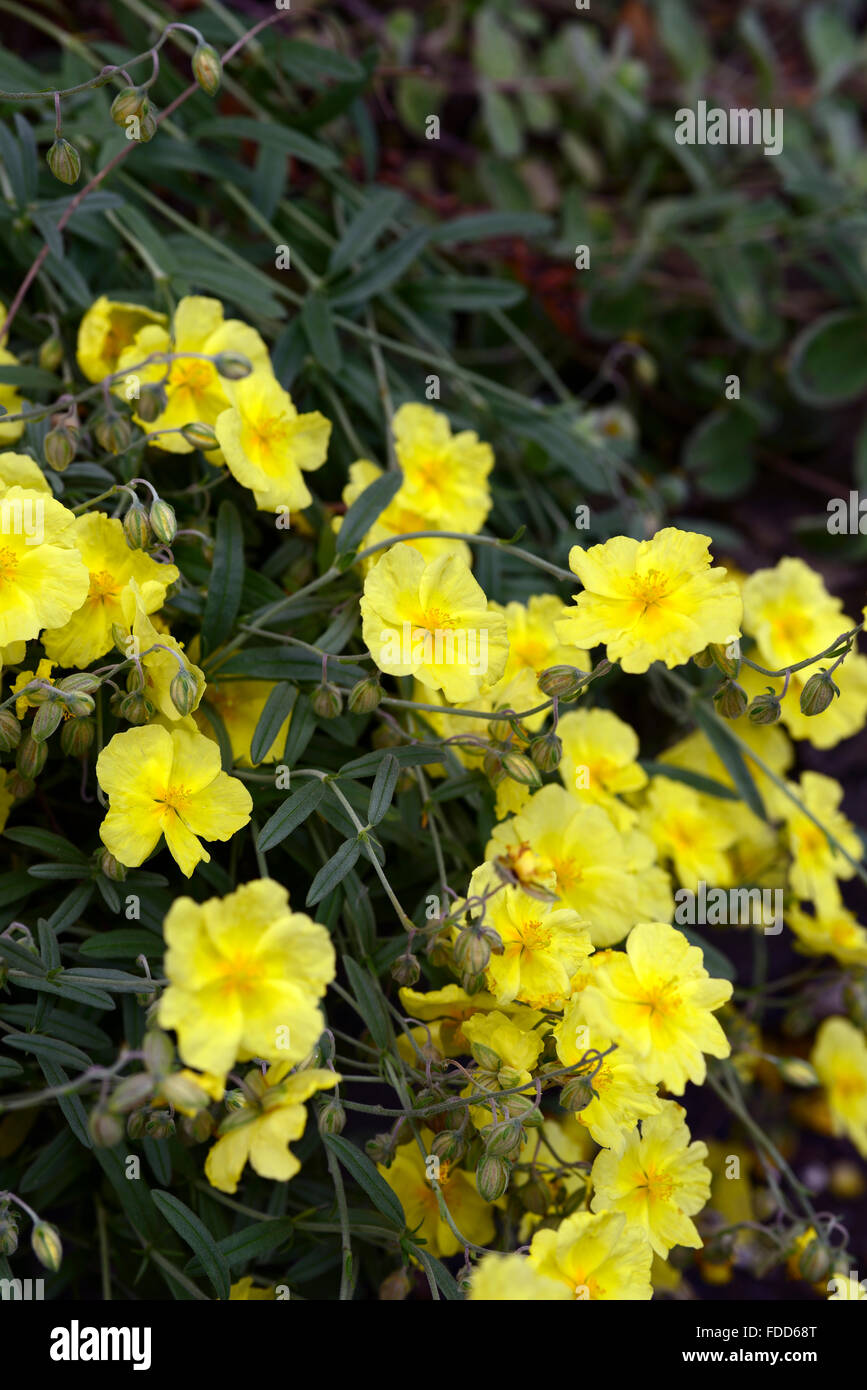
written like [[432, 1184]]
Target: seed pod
[[46, 720], [730, 700], [136, 528], [47, 1247], [492, 1177], [327, 700], [818, 693], [562, 681], [59, 448], [163, 521], [10, 731], [765, 708], [365, 695], [234, 366], [31, 757], [200, 436], [183, 691], [64, 161], [207, 68], [131, 101]]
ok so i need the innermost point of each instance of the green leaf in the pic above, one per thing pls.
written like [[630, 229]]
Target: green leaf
[[227, 578], [243, 1246], [294, 811], [307, 62], [383, 787], [333, 871], [321, 333], [731, 757], [366, 508], [277, 709], [381, 271], [828, 362], [292, 142], [359, 1166], [369, 1001], [363, 231], [196, 1235]]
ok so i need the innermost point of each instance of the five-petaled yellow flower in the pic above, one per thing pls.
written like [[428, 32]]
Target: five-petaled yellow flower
[[162, 783]]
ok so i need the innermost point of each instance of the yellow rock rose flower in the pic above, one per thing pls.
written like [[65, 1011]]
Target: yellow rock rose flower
[[171, 784], [245, 977], [654, 600], [432, 621], [840, 1060], [261, 1130], [597, 1257], [657, 1000], [42, 577], [657, 1179], [108, 327], [268, 446], [111, 565]]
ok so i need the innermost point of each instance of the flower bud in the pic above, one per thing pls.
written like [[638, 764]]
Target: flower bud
[[492, 1177], [332, 1117], [730, 700], [31, 757], [163, 521], [234, 366], [64, 161], [200, 436], [131, 101], [151, 403], [405, 970], [111, 867], [45, 1240], [327, 700], [577, 1093], [818, 693], [10, 731], [521, 769], [765, 708], [365, 695], [207, 68], [183, 691], [561, 681], [59, 448], [502, 1139], [131, 1093], [546, 752], [136, 708], [106, 1129], [51, 354], [46, 720], [136, 528]]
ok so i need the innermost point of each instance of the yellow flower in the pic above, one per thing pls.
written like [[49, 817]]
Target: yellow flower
[[656, 1179], [42, 577], [817, 864], [23, 679], [261, 1131], [597, 1258], [599, 761], [111, 565], [685, 830], [20, 470], [10, 399], [622, 1096], [792, 617], [655, 600], [239, 704], [195, 390], [432, 621], [513, 1279], [267, 444], [171, 784], [398, 519], [657, 1000], [245, 1291], [445, 475], [575, 851], [835, 932], [840, 1060], [108, 327], [246, 976], [543, 945], [407, 1177]]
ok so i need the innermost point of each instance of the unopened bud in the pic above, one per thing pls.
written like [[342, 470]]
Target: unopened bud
[[59, 448], [492, 1177], [818, 693], [207, 68], [730, 700], [163, 521], [327, 700], [365, 695], [45, 1240], [64, 161]]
